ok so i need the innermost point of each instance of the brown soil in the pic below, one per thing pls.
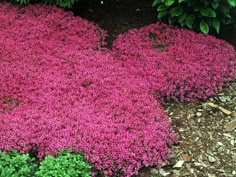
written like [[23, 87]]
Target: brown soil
[[207, 145]]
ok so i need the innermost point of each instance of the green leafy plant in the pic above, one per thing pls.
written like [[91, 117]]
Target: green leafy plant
[[16, 165], [200, 15], [64, 165]]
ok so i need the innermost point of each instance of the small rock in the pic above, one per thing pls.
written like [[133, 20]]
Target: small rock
[[211, 175], [227, 135], [163, 173], [186, 157], [197, 164], [198, 114], [154, 171], [232, 142], [179, 164], [230, 126], [224, 98], [211, 159], [234, 156]]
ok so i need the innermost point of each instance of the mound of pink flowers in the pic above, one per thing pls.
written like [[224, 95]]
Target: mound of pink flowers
[[58, 90], [179, 64], [44, 25]]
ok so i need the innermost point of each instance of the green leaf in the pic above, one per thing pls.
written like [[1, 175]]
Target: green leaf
[[204, 27], [189, 21], [171, 20], [232, 3], [216, 24], [162, 14], [182, 17], [226, 11], [179, 1], [215, 5], [208, 12], [162, 7], [155, 2], [176, 11], [169, 2]]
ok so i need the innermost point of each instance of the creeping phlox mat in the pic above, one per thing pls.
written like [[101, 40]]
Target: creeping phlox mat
[[57, 90], [60, 88], [179, 63]]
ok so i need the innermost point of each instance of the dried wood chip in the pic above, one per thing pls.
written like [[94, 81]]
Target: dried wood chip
[[210, 175], [163, 172], [191, 170], [219, 143], [220, 108], [186, 157], [211, 159], [179, 164], [154, 171], [230, 126], [199, 114]]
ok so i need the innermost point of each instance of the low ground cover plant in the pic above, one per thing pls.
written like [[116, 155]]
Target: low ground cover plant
[[14, 164], [180, 64], [60, 88], [65, 164], [70, 93], [60, 165]]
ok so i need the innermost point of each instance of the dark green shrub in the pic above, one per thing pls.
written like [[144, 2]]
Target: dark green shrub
[[14, 164], [199, 15], [64, 165]]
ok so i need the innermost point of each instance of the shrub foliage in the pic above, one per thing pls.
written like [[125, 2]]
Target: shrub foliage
[[64, 164], [200, 15], [14, 164]]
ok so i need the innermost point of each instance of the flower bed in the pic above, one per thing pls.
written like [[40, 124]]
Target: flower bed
[[180, 64], [41, 24], [60, 88], [56, 94]]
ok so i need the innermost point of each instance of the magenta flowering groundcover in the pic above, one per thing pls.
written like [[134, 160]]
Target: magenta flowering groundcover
[[60, 88], [178, 63]]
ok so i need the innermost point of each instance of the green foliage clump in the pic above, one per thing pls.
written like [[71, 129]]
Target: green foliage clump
[[13, 164], [65, 165], [199, 15]]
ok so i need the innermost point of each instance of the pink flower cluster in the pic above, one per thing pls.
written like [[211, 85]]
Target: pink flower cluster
[[44, 26], [179, 63], [60, 88]]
